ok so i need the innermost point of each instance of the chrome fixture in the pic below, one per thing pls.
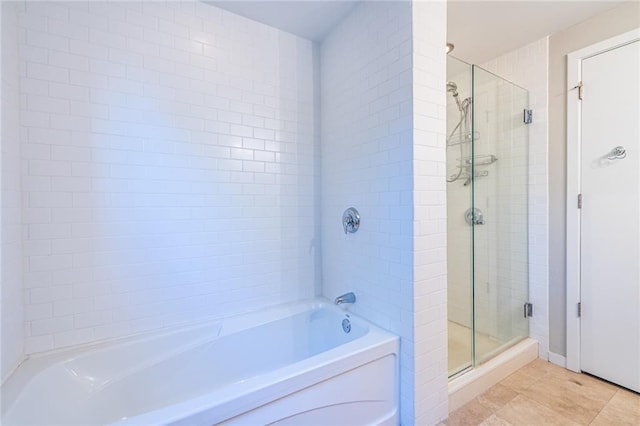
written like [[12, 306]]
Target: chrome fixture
[[460, 135], [346, 298], [476, 174], [617, 153], [346, 325], [474, 216], [465, 138], [450, 48], [481, 160], [453, 89], [350, 220]]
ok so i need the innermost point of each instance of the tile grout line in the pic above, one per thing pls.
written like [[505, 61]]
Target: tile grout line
[[604, 406]]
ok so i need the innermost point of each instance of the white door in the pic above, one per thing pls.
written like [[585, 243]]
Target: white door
[[610, 221]]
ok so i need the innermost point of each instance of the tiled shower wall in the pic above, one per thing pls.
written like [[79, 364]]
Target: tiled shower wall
[[383, 122], [11, 286], [429, 212], [168, 170], [367, 164]]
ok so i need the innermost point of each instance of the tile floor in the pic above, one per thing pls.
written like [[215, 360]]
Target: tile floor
[[542, 393]]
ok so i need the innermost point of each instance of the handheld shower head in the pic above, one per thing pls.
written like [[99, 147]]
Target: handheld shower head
[[452, 88]]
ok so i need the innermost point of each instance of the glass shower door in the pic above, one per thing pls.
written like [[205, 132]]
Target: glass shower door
[[459, 233], [499, 215], [487, 224]]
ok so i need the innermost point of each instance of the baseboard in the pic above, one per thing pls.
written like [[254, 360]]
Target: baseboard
[[464, 388], [557, 360]]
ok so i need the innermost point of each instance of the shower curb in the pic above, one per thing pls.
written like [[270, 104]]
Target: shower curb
[[466, 387]]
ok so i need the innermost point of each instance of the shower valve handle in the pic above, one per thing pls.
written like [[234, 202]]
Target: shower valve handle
[[350, 220]]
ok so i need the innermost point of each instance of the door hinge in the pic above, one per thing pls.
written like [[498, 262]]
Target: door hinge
[[579, 201], [580, 88], [528, 116], [579, 309], [528, 310]]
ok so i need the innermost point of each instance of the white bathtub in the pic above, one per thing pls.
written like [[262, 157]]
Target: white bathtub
[[289, 365]]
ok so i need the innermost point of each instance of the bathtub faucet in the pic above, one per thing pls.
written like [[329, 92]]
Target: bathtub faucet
[[346, 298]]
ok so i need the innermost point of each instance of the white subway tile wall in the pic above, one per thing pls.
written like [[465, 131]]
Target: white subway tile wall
[[379, 149], [528, 67], [170, 172], [430, 212], [367, 164], [168, 167], [11, 307]]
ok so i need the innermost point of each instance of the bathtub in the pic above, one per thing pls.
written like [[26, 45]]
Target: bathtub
[[307, 363]]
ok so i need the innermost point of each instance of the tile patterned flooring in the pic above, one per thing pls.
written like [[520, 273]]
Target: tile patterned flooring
[[542, 393]]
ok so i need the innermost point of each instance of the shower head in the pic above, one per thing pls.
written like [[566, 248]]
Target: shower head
[[453, 88]]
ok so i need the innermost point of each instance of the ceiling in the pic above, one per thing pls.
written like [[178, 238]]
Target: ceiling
[[483, 30], [311, 19], [480, 29]]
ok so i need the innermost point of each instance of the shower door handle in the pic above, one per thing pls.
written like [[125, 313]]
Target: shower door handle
[[617, 153]]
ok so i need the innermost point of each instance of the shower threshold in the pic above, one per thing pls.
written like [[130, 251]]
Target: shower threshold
[[471, 382]]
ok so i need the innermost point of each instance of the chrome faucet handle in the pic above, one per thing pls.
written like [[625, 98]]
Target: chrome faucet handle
[[350, 220]]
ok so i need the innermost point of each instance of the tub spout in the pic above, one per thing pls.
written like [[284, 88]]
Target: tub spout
[[346, 298]]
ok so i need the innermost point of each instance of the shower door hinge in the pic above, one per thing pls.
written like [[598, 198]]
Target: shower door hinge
[[528, 116], [579, 201], [528, 310], [579, 309]]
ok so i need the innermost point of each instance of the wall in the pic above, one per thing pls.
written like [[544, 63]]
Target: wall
[[167, 180], [527, 66], [606, 25], [169, 167], [429, 212], [383, 153], [366, 151], [11, 310]]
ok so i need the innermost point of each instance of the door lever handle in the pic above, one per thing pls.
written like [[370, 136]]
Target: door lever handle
[[617, 153]]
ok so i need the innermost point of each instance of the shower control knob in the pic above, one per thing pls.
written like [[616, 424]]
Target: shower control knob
[[474, 216], [350, 220]]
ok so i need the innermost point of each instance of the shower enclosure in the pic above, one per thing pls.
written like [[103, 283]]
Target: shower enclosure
[[487, 178]]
